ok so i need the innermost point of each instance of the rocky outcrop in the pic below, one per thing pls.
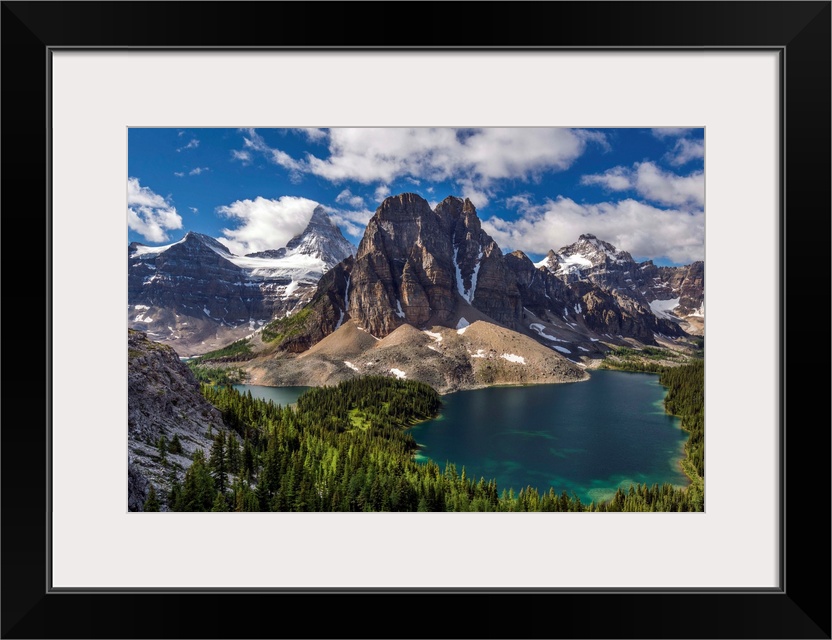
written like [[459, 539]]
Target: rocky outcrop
[[424, 267], [415, 265], [163, 400], [600, 263]]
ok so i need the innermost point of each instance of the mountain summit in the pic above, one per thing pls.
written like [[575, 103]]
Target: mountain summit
[[426, 267], [196, 295]]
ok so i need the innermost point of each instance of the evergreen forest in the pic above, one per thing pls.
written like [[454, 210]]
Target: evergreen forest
[[348, 448]]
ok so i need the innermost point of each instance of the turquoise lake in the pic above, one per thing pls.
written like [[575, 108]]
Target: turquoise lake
[[586, 437]]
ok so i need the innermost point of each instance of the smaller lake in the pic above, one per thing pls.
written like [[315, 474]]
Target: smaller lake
[[588, 437], [279, 395]]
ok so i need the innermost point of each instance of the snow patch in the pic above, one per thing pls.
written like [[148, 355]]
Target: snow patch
[[399, 311], [468, 294], [536, 326], [401, 375], [351, 365], [513, 358], [290, 288], [697, 313], [578, 308], [462, 325], [340, 319], [561, 349], [436, 336], [479, 354], [584, 349], [141, 318], [662, 308], [206, 312], [140, 307]]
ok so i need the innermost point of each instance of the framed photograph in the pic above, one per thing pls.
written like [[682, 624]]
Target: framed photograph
[[724, 110]]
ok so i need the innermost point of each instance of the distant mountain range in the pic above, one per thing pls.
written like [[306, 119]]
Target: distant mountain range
[[428, 295], [196, 295]]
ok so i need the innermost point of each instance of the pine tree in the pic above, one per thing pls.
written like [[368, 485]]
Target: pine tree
[[220, 503], [198, 489], [163, 449], [176, 445], [152, 502], [217, 462]]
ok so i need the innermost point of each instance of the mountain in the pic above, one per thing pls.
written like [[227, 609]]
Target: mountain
[[196, 295], [434, 272], [671, 293], [163, 399]]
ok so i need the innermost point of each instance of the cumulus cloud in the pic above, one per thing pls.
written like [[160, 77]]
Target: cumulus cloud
[[685, 150], [197, 170], [436, 154], [149, 214], [615, 179], [473, 158], [641, 229], [179, 174], [653, 183], [347, 197], [314, 134], [193, 144], [264, 223]]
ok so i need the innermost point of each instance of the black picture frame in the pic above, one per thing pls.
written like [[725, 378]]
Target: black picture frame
[[800, 31]]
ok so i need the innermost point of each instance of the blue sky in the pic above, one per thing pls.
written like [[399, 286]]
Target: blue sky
[[535, 189]]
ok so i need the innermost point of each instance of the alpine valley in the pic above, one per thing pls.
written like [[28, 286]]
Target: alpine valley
[[427, 304]]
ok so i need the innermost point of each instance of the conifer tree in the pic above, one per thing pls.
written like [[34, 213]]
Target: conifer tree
[[217, 462], [152, 502]]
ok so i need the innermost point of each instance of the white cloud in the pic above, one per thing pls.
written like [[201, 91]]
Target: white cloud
[[381, 192], [193, 144], [641, 229], [654, 184], [194, 209], [264, 223], [686, 150], [435, 154], [255, 142], [197, 170], [474, 158], [242, 156], [346, 197], [353, 222], [615, 179], [179, 174], [315, 135], [671, 132], [149, 214]]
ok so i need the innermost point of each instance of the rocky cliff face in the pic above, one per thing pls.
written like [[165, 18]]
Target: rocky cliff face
[[669, 292], [416, 265], [163, 399], [196, 295], [431, 267]]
